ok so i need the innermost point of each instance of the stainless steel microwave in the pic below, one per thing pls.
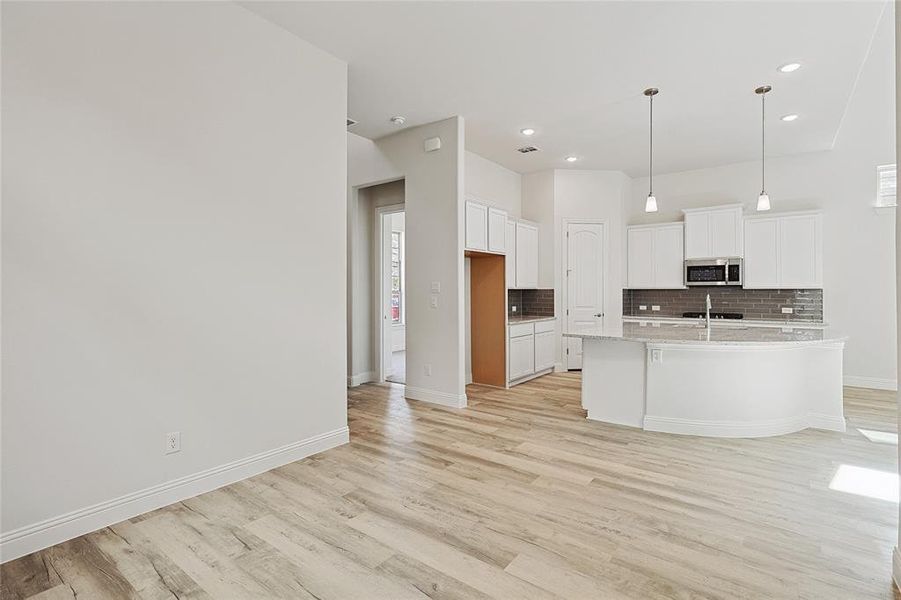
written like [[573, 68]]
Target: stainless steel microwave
[[713, 271]]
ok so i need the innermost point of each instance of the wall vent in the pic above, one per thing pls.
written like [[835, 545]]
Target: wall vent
[[350, 122], [527, 149]]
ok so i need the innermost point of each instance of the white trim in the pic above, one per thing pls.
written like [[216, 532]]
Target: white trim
[[743, 429], [361, 378], [37, 536], [896, 566], [534, 375], [564, 282], [435, 397], [710, 208], [876, 383], [559, 368]]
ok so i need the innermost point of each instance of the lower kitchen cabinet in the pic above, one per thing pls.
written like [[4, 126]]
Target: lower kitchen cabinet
[[530, 349], [544, 350], [522, 356]]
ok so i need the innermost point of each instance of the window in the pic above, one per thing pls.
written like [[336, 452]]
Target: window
[[886, 186], [397, 277]]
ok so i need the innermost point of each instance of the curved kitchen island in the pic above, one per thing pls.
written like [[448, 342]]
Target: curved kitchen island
[[725, 380]]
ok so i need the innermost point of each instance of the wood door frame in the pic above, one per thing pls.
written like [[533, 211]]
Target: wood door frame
[[381, 289], [564, 295]]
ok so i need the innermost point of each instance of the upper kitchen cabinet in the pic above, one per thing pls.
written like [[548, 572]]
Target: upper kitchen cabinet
[[510, 263], [654, 256], [713, 232], [485, 228], [784, 251], [526, 259]]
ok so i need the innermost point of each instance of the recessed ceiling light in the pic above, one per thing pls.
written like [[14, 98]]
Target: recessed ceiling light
[[527, 131], [572, 158], [789, 67], [791, 117], [398, 120]]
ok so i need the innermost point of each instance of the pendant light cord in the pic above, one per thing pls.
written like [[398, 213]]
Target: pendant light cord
[[651, 152], [762, 143]]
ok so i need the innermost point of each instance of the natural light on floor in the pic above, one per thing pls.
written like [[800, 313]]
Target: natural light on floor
[[880, 437], [866, 482]]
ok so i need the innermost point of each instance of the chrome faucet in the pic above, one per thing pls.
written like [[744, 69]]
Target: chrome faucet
[[708, 311]]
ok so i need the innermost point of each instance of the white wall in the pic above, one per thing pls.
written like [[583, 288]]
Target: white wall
[[859, 242], [492, 184], [434, 218], [173, 257], [590, 195]]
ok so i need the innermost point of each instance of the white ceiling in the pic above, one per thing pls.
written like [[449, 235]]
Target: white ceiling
[[575, 72]]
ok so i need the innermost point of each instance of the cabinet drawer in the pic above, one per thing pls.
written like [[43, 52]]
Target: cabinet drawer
[[522, 329], [544, 326]]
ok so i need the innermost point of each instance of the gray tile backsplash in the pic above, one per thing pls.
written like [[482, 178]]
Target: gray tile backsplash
[[531, 303], [753, 304]]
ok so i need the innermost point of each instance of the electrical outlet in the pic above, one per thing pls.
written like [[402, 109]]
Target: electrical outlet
[[655, 307], [787, 310], [173, 442], [433, 302], [642, 307], [428, 370], [513, 307]]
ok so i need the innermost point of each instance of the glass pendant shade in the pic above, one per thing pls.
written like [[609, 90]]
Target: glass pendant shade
[[651, 204], [763, 201]]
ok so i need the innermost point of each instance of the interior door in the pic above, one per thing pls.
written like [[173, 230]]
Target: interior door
[[385, 365], [584, 284]]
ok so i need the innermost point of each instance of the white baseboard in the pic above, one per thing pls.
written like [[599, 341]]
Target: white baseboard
[[740, 429], [896, 566], [875, 383], [559, 368], [44, 534], [361, 378], [435, 397]]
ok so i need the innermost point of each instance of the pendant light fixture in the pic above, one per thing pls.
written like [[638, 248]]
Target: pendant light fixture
[[763, 200], [651, 204]]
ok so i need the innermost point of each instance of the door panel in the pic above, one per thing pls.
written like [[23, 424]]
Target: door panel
[[584, 284]]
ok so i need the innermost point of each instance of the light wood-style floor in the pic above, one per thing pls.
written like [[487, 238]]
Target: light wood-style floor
[[517, 496]]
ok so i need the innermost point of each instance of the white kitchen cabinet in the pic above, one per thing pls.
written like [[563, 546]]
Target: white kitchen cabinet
[[640, 257], [522, 356], [510, 260], [497, 230], [476, 226], [485, 228], [544, 350], [714, 232], [801, 251], [526, 255], [761, 262], [654, 256], [784, 251]]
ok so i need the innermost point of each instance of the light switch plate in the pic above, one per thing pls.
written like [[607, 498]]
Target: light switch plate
[[787, 310], [642, 307], [655, 307], [436, 287]]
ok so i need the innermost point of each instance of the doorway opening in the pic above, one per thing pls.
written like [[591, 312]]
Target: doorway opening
[[392, 285]]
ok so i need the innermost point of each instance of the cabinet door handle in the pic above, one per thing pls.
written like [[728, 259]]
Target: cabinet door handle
[[599, 314]]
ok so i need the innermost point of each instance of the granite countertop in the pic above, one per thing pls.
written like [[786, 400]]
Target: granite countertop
[[691, 332], [732, 322], [527, 319]]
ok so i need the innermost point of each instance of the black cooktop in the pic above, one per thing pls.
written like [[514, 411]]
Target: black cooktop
[[713, 315]]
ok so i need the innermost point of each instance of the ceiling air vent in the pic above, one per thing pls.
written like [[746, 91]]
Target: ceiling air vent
[[527, 149], [350, 122]]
